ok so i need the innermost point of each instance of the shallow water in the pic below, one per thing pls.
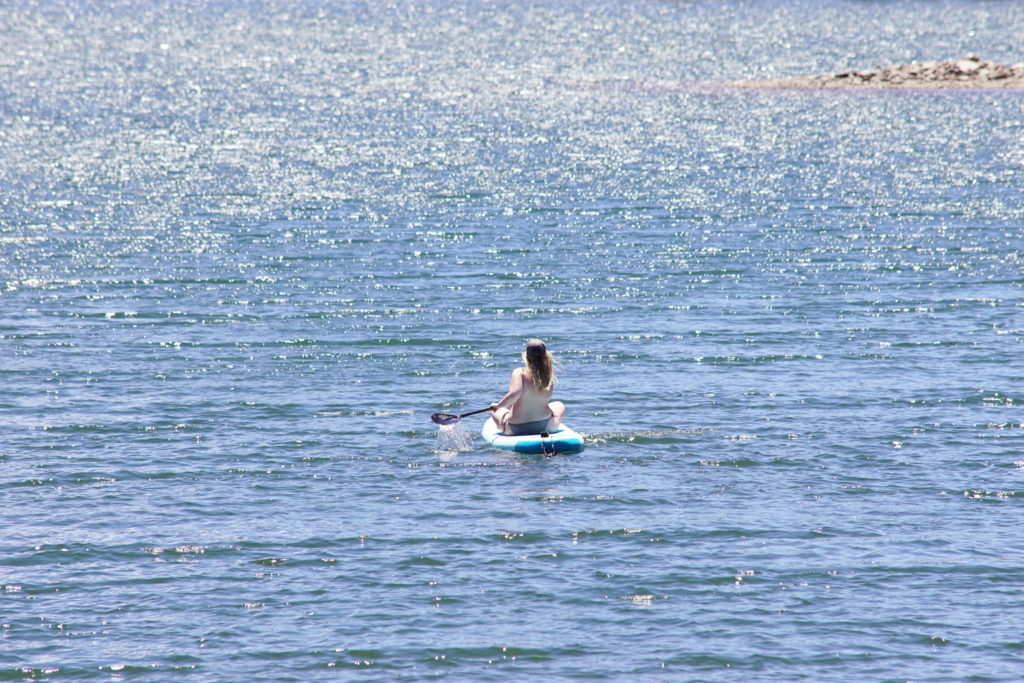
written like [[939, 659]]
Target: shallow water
[[247, 249]]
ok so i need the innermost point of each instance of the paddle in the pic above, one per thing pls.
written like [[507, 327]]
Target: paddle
[[448, 419]]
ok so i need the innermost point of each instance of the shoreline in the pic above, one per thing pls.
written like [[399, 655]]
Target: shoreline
[[957, 74]]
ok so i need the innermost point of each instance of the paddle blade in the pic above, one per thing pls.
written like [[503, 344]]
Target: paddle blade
[[445, 418]]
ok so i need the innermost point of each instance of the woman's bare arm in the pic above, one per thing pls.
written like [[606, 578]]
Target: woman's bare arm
[[515, 390]]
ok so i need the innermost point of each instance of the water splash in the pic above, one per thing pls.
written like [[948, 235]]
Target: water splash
[[453, 438]]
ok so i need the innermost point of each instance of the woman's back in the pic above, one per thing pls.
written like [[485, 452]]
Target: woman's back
[[532, 403]]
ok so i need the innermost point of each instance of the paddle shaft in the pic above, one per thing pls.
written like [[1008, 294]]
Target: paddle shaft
[[446, 419], [474, 412]]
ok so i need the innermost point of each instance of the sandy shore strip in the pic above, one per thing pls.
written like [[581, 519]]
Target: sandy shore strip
[[969, 72]]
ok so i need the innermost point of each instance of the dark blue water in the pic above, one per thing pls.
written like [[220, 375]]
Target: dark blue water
[[247, 248]]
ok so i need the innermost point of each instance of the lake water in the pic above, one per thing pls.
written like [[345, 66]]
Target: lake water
[[247, 248]]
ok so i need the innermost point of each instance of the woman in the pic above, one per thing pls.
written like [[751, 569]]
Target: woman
[[527, 408]]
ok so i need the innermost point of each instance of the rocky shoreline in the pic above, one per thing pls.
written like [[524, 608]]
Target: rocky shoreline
[[969, 72]]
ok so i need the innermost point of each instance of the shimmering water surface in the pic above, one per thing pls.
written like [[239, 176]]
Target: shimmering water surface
[[247, 248]]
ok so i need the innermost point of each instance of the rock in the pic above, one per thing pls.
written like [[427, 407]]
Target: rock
[[967, 66]]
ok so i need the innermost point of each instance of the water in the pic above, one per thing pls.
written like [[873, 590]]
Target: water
[[246, 250], [453, 439]]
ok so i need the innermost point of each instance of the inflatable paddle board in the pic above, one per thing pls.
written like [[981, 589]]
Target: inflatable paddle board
[[562, 440]]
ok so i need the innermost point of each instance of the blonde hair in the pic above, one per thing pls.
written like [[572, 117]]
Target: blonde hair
[[540, 363]]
